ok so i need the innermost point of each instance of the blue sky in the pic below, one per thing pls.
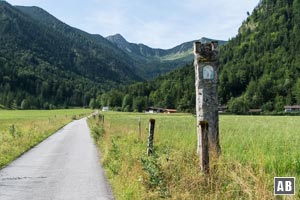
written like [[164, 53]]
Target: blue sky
[[157, 23]]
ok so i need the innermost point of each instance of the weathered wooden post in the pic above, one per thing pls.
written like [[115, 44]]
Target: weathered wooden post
[[101, 118], [151, 136], [206, 82], [140, 127], [204, 150]]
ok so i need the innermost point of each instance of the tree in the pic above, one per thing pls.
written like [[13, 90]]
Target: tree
[[138, 104], [238, 105], [127, 103], [92, 103], [46, 106], [279, 103], [25, 104], [296, 91], [115, 99]]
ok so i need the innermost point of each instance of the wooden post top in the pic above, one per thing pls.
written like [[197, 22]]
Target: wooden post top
[[207, 52], [152, 120]]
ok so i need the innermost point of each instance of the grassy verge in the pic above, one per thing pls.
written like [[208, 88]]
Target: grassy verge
[[254, 150], [21, 130]]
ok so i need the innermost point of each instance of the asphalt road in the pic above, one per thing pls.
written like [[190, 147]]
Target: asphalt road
[[63, 167]]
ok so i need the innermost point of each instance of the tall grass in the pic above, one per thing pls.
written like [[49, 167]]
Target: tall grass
[[254, 150], [21, 130]]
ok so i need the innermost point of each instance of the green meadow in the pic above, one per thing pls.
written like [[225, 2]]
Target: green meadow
[[254, 150], [20, 130]]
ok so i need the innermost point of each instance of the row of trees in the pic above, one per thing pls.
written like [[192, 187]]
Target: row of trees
[[173, 90]]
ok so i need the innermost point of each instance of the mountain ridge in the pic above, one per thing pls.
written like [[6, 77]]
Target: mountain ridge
[[46, 19], [166, 59]]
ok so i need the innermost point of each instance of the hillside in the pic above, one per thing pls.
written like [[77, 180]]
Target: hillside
[[45, 62], [261, 65], [107, 50], [155, 61], [259, 68]]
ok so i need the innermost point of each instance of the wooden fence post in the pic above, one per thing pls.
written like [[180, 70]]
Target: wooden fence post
[[204, 148], [140, 128], [151, 136], [101, 118]]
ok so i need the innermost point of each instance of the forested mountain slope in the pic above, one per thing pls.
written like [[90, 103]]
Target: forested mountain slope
[[261, 65], [45, 62]]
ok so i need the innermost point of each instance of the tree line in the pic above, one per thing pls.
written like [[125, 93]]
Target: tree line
[[173, 90]]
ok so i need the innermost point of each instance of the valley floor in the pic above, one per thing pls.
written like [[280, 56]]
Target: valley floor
[[255, 149]]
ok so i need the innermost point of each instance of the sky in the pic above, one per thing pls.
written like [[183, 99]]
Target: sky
[[156, 23]]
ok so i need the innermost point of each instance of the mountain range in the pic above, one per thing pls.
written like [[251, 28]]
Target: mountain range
[[259, 68], [155, 62], [46, 63]]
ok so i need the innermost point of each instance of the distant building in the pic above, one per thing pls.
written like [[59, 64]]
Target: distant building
[[222, 109], [105, 109], [294, 108], [255, 111], [154, 110], [159, 110], [169, 111]]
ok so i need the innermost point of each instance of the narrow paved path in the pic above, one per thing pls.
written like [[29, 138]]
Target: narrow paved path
[[63, 167]]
